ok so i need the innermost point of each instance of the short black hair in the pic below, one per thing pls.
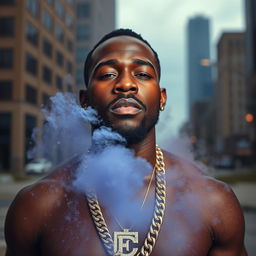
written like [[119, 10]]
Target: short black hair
[[115, 33]]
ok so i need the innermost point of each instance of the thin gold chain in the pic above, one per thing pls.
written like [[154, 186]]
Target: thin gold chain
[[148, 188], [157, 220], [144, 199]]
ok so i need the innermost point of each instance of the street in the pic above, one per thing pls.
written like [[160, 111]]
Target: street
[[9, 189], [250, 230]]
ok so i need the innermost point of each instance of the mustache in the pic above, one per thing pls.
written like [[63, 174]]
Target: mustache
[[126, 96]]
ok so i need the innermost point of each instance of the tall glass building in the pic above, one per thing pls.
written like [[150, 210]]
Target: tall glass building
[[198, 60]]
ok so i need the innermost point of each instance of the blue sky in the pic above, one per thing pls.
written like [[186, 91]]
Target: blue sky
[[163, 24]]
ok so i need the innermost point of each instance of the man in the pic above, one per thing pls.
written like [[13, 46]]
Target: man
[[191, 214]]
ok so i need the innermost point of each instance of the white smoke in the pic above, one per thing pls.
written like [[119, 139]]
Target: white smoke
[[112, 170], [66, 131]]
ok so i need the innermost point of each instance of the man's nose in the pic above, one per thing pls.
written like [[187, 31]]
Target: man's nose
[[126, 83]]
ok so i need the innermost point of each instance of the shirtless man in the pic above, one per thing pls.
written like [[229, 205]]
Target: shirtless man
[[202, 216]]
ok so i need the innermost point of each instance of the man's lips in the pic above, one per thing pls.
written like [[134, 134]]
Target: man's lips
[[125, 106]]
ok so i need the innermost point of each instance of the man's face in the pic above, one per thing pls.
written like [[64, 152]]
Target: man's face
[[124, 87]]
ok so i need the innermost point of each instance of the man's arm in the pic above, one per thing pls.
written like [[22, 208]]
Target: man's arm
[[229, 227], [22, 224], [27, 215]]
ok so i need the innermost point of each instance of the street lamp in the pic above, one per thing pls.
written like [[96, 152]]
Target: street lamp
[[249, 118]]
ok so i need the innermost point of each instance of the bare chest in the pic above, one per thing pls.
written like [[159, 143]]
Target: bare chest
[[70, 231]]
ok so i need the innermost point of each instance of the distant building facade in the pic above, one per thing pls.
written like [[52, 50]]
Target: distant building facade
[[37, 44], [200, 86], [198, 58], [94, 19], [231, 96]]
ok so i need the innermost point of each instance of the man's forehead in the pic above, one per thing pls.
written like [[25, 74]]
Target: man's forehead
[[122, 45]]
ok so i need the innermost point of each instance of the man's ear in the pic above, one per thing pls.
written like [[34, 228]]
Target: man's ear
[[83, 97], [163, 97]]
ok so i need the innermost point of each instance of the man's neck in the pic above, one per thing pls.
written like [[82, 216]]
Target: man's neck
[[146, 148]]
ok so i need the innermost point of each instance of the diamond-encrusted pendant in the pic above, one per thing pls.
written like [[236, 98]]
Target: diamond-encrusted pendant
[[123, 242]]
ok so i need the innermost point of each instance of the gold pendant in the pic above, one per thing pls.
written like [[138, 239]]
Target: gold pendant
[[122, 242]]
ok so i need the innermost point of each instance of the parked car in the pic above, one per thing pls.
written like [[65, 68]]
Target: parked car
[[38, 166]]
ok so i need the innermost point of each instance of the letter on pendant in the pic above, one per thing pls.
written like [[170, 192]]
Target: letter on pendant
[[122, 242]]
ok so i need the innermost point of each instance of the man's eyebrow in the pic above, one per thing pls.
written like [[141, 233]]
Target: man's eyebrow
[[105, 63], [143, 62], [113, 62]]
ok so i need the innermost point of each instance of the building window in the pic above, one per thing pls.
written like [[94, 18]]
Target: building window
[[6, 58], [33, 7], [70, 45], [83, 32], [47, 47], [59, 83], [47, 75], [59, 8], [31, 94], [47, 20], [30, 125], [6, 26], [69, 67], [7, 2], [69, 21], [83, 10], [5, 90], [5, 140], [59, 33], [46, 101], [32, 34], [59, 59], [81, 53], [31, 64]]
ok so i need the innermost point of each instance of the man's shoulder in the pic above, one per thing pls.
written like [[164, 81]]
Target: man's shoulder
[[189, 177], [43, 194], [37, 199], [212, 199], [181, 167]]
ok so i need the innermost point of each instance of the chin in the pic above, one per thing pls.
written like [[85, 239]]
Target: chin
[[133, 132], [132, 135], [135, 135]]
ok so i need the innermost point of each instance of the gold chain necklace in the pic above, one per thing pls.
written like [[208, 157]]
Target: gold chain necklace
[[120, 245]]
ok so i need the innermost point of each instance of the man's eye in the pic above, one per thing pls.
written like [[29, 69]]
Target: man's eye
[[143, 76], [107, 76]]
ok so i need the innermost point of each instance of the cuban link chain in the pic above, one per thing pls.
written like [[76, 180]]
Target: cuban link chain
[[160, 193]]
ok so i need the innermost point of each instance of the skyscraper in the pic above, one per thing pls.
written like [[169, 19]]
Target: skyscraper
[[198, 61], [199, 83]]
